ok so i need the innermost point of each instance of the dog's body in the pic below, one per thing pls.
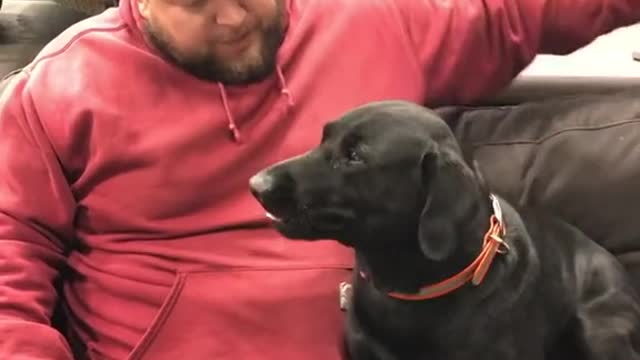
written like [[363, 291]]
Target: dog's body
[[531, 307], [389, 181]]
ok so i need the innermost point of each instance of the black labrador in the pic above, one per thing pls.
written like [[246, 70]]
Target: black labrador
[[446, 270]]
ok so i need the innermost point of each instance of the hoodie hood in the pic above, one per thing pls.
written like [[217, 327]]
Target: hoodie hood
[[131, 15]]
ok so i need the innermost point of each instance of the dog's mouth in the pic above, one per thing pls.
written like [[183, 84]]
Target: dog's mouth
[[309, 223], [273, 218], [308, 216]]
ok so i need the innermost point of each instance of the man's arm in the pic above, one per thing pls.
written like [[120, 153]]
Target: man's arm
[[36, 214], [470, 49]]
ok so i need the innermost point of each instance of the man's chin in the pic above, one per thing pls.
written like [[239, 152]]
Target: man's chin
[[229, 75], [249, 68], [246, 77]]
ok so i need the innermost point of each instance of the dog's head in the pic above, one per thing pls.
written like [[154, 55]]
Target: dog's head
[[384, 172]]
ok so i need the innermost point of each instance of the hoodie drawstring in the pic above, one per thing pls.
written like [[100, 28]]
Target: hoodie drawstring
[[284, 90], [233, 128], [232, 124]]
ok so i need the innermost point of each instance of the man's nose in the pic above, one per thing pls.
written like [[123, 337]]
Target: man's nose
[[230, 13]]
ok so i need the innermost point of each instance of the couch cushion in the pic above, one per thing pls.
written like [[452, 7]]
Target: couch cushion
[[577, 156], [26, 26]]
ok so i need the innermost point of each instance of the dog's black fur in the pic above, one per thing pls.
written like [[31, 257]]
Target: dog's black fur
[[388, 179]]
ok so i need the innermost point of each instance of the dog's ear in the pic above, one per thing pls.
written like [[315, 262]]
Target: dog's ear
[[436, 230]]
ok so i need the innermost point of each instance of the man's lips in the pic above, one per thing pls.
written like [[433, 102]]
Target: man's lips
[[237, 44]]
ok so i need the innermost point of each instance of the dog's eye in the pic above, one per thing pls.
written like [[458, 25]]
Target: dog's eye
[[353, 156], [352, 149]]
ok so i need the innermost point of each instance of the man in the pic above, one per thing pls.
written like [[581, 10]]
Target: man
[[126, 147]]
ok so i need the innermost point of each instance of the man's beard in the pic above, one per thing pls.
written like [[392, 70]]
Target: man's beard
[[210, 68]]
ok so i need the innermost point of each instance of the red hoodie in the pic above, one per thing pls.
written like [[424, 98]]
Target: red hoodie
[[119, 173]]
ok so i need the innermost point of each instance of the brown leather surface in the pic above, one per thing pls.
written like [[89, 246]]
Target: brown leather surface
[[26, 26], [575, 156]]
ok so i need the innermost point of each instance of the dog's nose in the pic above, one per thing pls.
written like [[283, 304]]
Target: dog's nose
[[261, 184], [274, 190]]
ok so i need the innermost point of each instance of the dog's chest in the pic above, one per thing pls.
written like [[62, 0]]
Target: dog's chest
[[460, 346], [412, 334], [494, 349]]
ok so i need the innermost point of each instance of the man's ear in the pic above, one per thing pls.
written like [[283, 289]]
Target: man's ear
[[436, 229]]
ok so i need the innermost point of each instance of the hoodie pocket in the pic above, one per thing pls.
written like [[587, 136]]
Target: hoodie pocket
[[237, 314]]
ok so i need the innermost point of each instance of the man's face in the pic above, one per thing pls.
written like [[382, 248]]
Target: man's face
[[230, 41]]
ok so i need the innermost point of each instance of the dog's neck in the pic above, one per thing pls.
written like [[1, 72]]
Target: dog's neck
[[406, 269]]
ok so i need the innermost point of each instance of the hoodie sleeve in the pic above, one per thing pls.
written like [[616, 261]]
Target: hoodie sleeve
[[472, 48], [36, 214]]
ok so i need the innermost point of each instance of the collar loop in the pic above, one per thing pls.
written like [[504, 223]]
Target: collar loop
[[493, 243]]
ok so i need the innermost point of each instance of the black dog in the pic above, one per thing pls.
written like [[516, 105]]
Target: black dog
[[446, 269]]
